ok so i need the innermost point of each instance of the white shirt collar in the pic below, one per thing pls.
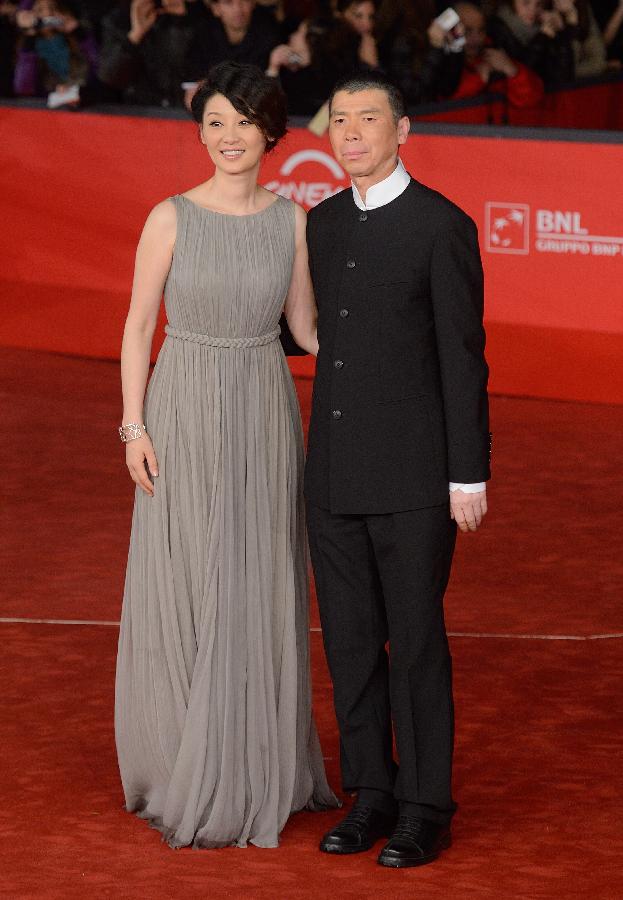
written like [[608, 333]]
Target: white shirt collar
[[384, 191]]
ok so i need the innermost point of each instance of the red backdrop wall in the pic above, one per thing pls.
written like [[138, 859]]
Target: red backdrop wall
[[76, 189]]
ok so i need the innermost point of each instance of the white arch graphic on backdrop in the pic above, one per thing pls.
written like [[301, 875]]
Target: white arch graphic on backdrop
[[318, 156]]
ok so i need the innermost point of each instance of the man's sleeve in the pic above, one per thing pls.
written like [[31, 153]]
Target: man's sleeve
[[310, 236], [457, 297]]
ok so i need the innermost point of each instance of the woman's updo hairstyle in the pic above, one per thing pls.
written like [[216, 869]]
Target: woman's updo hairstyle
[[256, 96]]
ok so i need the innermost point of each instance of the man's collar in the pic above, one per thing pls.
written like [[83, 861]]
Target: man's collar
[[384, 191]]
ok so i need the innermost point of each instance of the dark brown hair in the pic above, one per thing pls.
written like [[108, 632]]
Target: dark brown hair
[[251, 93]]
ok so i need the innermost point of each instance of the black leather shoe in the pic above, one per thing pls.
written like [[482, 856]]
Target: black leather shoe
[[359, 831], [414, 842]]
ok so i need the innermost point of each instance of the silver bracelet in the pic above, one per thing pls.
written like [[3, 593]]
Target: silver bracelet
[[131, 431]]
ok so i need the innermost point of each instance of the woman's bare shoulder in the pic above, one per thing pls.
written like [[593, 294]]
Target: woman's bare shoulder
[[162, 219], [164, 213]]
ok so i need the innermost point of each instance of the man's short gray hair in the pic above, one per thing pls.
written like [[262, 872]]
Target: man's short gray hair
[[366, 81]]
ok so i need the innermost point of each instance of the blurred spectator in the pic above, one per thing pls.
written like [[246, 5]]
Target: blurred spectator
[[487, 68], [406, 54], [49, 59], [154, 51], [589, 49], [145, 49], [8, 44], [360, 15], [318, 53], [237, 30], [609, 15], [541, 39]]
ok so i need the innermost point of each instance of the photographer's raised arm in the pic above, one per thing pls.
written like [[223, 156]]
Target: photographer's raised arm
[[153, 261], [120, 60]]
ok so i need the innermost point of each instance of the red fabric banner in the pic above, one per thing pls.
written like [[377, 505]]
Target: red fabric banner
[[598, 105], [77, 187]]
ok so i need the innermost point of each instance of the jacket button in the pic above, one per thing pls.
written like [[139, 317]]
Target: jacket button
[[337, 413], [338, 363], [343, 313], [363, 217], [351, 263]]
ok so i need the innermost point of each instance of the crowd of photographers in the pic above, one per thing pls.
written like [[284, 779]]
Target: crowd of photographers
[[153, 52]]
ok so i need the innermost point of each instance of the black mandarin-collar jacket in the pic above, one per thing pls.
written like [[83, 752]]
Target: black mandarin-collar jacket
[[400, 397]]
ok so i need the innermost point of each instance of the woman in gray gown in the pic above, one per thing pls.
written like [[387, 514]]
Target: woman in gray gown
[[214, 729]]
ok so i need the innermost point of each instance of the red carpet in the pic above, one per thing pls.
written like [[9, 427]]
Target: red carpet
[[538, 774]]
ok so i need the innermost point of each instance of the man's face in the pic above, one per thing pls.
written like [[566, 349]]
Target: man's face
[[473, 23], [234, 14], [364, 135]]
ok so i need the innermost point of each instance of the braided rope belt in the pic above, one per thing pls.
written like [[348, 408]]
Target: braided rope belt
[[240, 343]]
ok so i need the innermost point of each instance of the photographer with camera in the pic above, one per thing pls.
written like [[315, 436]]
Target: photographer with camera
[[421, 67], [539, 36], [50, 59], [317, 54], [144, 50], [482, 67]]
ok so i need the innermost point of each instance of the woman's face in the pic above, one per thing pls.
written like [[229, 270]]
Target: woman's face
[[234, 143], [528, 10], [360, 16]]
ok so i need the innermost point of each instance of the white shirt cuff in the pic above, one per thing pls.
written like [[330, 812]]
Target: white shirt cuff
[[468, 488]]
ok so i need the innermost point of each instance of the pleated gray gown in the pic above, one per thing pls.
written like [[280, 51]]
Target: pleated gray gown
[[214, 728]]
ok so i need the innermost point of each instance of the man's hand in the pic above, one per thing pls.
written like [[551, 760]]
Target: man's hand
[[500, 61], [484, 70], [280, 56], [143, 14], [70, 24], [551, 22], [436, 35], [567, 10], [468, 510]]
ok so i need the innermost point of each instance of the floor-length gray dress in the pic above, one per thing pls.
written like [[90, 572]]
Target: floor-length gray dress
[[214, 728]]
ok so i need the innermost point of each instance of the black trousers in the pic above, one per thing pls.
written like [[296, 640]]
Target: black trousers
[[382, 578]]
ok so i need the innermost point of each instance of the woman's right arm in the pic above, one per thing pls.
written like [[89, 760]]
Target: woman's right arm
[[153, 261]]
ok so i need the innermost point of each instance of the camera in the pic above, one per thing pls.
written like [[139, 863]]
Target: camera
[[449, 21], [45, 22]]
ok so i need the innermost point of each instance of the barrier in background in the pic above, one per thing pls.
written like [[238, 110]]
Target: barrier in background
[[594, 103], [76, 189]]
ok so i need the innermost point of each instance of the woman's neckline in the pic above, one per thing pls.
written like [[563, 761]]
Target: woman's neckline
[[232, 215]]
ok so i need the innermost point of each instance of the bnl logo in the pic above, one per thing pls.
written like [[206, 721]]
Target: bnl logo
[[507, 227]]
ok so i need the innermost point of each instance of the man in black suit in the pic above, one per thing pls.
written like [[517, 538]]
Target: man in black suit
[[398, 456]]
